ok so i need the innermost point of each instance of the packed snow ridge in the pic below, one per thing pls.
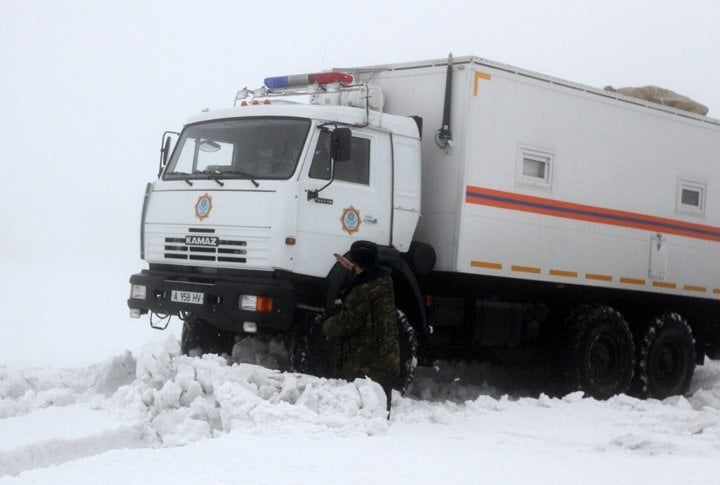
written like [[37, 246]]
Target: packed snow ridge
[[164, 399]]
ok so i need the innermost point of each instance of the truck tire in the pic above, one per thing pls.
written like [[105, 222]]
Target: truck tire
[[408, 353], [665, 357], [311, 351], [599, 350], [200, 337]]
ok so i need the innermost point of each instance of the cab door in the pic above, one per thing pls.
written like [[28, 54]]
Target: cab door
[[356, 205]]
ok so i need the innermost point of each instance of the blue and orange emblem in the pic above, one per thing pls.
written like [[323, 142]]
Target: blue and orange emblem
[[350, 220], [203, 206]]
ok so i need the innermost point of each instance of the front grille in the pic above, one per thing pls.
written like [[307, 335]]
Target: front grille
[[247, 247], [227, 251]]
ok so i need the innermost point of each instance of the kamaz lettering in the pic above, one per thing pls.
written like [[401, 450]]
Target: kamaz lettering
[[209, 241]]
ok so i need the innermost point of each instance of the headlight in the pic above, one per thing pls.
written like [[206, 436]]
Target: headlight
[[253, 303], [248, 303], [138, 292]]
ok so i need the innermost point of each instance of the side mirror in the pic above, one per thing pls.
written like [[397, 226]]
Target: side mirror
[[165, 149], [341, 144]]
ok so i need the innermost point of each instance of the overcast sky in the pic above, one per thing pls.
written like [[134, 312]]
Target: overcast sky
[[88, 87]]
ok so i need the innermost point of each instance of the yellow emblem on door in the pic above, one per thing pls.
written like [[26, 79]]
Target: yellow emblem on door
[[350, 220]]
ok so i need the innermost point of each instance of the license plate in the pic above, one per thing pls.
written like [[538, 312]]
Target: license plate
[[193, 297]]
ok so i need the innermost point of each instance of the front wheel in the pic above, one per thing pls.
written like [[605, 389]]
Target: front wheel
[[311, 352], [201, 337]]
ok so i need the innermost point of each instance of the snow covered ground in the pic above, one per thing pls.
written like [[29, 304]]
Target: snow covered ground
[[159, 417]]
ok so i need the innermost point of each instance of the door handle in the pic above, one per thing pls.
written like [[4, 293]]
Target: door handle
[[369, 219]]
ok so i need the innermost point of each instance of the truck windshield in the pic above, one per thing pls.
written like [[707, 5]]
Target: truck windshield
[[249, 148]]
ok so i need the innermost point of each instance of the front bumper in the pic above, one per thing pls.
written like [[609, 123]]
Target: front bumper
[[220, 298]]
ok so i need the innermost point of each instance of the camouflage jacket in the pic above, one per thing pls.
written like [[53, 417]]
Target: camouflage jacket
[[366, 329]]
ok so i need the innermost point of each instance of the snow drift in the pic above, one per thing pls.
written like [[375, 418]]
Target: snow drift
[[161, 399]]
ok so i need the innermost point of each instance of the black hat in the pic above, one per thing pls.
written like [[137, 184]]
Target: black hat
[[364, 253]]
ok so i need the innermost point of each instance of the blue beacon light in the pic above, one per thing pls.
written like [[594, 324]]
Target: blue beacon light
[[298, 80]]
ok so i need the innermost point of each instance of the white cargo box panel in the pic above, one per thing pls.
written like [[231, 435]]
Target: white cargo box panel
[[554, 181]]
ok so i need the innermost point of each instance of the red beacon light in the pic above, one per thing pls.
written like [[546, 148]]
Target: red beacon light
[[299, 80], [254, 102]]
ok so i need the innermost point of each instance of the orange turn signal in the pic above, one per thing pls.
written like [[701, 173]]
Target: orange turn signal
[[264, 304]]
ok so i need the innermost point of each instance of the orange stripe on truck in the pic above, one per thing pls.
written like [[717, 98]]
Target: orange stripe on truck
[[588, 213], [526, 269], [485, 264], [566, 274]]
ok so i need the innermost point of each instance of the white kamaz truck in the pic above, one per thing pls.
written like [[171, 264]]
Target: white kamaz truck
[[520, 214]]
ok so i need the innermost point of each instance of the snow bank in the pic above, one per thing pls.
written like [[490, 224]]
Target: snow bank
[[185, 399], [162, 399], [46, 415], [22, 392]]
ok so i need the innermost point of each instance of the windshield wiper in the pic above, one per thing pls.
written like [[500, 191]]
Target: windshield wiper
[[215, 175], [183, 175], [246, 175]]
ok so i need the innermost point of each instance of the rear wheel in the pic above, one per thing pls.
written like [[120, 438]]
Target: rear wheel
[[599, 350], [200, 337], [665, 356]]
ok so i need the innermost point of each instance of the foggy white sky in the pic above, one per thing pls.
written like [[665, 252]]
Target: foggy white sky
[[88, 87]]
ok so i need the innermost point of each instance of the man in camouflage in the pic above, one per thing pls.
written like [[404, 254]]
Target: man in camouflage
[[366, 327]]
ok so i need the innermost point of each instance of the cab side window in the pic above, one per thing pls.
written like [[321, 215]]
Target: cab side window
[[320, 167], [356, 170]]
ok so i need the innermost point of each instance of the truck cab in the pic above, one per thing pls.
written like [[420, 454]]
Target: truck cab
[[240, 227]]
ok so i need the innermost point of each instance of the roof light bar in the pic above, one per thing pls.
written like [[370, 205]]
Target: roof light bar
[[298, 80]]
